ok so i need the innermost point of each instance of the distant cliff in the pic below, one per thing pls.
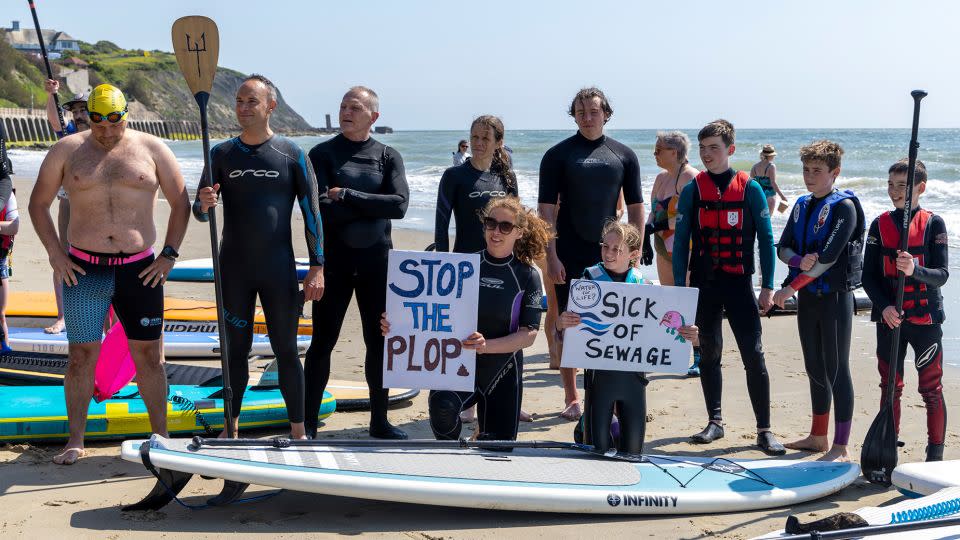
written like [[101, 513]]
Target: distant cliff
[[149, 77]]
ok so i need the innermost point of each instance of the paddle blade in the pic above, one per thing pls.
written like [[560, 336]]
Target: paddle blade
[[115, 367], [878, 457], [196, 43]]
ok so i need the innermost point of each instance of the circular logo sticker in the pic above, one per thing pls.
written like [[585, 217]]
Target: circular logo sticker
[[144, 322], [585, 294], [613, 499]]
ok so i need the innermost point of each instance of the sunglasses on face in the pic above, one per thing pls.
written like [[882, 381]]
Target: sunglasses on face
[[505, 226], [113, 117]]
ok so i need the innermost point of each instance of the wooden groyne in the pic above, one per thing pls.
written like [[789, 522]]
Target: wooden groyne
[[30, 126]]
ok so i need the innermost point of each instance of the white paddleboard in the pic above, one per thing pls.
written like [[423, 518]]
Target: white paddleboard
[[201, 270], [175, 344], [924, 478], [536, 480], [942, 504]]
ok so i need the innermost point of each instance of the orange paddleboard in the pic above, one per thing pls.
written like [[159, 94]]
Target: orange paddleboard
[[180, 315]]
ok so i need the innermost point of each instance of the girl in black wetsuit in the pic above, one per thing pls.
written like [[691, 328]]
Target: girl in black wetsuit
[[508, 320], [604, 389]]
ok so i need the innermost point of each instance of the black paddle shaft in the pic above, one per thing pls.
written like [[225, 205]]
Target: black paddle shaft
[[207, 181], [893, 362], [46, 61]]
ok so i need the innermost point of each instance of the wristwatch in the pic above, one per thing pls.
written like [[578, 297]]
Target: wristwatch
[[169, 253]]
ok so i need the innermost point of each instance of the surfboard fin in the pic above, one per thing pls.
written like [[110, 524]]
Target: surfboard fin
[[230, 492], [169, 484]]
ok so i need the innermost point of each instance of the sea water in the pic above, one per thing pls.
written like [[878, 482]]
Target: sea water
[[868, 155]]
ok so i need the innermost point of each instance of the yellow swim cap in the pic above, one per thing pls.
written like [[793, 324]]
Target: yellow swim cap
[[106, 99]]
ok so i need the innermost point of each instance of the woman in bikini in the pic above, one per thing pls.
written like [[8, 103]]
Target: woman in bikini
[[765, 173], [671, 155]]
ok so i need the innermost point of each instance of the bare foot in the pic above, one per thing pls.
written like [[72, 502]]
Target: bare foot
[[469, 416], [56, 327], [811, 443], [572, 412], [837, 453], [69, 456], [525, 416]]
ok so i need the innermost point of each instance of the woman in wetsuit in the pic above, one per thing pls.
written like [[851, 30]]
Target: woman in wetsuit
[[765, 173], [466, 189], [508, 319]]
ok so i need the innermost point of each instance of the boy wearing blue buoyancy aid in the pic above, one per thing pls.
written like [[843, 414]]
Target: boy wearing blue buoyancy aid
[[823, 245], [604, 389]]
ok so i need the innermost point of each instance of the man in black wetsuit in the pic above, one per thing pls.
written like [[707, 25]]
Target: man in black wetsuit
[[261, 175], [823, 246], [584, 174], [362, 187]]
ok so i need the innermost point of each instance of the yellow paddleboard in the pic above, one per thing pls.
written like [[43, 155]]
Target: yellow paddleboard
[[178, 313]]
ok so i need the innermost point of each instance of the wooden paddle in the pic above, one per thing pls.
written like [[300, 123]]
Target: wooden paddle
[[196, 43], [878, 457]]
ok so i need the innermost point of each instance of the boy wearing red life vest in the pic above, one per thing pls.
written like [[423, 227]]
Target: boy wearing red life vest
[[823, 246], [724, 212], [925, 265]]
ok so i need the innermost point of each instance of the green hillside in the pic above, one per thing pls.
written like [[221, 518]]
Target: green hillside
[[150, 77]]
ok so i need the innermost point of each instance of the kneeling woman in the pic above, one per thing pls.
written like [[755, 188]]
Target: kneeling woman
[[507, 322]]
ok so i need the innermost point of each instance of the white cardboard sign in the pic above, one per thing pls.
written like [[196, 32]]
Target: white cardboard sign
[[432, 303], [629, 327]]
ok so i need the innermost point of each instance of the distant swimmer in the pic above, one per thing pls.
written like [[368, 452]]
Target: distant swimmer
[[724, 214], [112, 176], [363, 186], [261, 176], [508, 318], [921, 321], [461, 155], [765, 173], [580, 183], [823, 246]]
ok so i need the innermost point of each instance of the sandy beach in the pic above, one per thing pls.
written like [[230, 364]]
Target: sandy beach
[[40, 499]]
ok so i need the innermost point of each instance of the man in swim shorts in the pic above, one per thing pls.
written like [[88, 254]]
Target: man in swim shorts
[[261, 175], [112, 176]]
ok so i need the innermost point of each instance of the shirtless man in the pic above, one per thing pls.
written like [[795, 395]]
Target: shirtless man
[[77, 107], [111, 176]]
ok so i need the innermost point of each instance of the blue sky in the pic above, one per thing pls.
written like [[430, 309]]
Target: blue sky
[[436, 65]]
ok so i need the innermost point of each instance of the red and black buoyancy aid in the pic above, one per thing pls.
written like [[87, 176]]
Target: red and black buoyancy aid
[[719, 239], [920, 301]]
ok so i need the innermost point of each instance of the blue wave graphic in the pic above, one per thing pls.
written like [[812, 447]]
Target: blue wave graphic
[[589, 315], [594, 332], [595, 326]]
